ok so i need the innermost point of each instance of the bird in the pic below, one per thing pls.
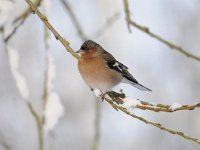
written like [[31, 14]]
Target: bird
[[100, 70]]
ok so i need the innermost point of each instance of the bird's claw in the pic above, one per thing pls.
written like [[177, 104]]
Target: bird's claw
[[102, 96]]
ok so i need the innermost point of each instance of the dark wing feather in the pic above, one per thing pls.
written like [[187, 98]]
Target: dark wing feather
[[119, 67]]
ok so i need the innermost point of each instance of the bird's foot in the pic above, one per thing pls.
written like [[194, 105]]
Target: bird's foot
[[102, 96]]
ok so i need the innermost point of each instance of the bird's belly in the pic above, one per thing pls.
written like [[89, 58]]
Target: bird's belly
[[99, 76]]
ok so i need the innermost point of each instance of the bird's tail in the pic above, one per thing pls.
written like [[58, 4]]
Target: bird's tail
[[140, 87], [136, 84]]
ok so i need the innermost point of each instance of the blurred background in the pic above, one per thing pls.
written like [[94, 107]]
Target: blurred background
[[172, 76]]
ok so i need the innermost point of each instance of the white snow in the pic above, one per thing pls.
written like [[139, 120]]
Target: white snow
[[130, 102], [50, 71], [175, 106], [5, 8], [19, 78], [53, 111], [97, 92], [47, 6]]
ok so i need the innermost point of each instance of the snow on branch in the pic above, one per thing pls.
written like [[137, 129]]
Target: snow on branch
[[115, 98], [53, 108], [13, 58], [128, 102], [157, 125]]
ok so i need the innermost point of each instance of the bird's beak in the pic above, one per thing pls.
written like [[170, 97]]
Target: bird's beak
[[80, 51]]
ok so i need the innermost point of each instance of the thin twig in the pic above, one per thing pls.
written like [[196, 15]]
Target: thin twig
[[74, 20], [4, 143], [109, 22], [169, 44], [22, 19], [155, 36], [66, 45], [27, 12], [14, 31], [127, 14], [39, 125], [44, 19], [157, 125], [96, 138], [46, 71]]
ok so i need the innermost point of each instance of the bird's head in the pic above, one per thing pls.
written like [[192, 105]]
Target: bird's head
[[90, 48]]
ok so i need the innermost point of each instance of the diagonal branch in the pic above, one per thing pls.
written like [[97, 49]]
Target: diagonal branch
[[39, 124], [69, 49], [120, 98], [109, 22], [44, 19], [127, 14], [74, 20], [20, 20], [155, 36], [157, 125], [169, 44]]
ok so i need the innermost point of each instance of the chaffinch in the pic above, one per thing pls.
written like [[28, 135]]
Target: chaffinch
[[100, 70]]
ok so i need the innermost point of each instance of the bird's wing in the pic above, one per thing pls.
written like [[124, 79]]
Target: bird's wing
[[113, 64]]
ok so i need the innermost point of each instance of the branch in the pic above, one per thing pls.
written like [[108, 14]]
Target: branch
[[120, 98], [5, 145], [95, 142], [22, 87], [127, 14], [44, 19], [74, 20], [27, 12], [66, 45], [109, 22], [157, 125], [22, 19], [155, 36], [80, 32], [46, 72], [39, 124]]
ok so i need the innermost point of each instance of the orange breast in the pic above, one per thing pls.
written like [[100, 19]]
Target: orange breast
[[96, 75]]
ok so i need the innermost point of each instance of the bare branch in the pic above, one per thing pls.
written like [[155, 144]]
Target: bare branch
[[155, 36], [44, 19], [169, 44], [96, 138], [127, 14], [74, 20], [14, 31], [20, 20], [110, 21], [5, 145], [38, 123]]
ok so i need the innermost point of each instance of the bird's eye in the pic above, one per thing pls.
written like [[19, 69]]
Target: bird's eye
[[82, 47]]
